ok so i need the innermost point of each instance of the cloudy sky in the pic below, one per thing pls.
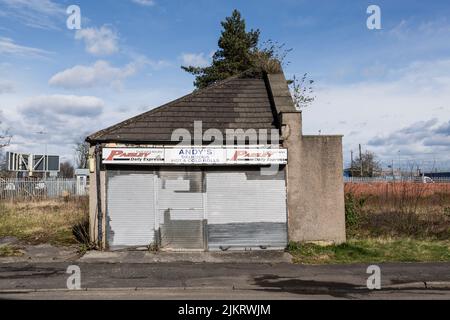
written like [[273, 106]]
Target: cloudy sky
[[387, 89]]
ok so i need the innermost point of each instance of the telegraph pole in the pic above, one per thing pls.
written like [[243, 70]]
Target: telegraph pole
[[360, 159], [392, 166], [351, 162], [45, 163]]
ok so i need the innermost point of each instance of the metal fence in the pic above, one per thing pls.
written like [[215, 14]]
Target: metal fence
[[16, 189], [397, 179]]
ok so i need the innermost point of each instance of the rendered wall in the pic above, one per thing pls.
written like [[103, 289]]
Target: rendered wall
[[314, 183]]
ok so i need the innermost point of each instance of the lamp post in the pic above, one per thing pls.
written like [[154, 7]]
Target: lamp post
[[45, 155]]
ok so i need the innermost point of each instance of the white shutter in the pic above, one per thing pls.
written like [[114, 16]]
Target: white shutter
[[130, 209], [245, 209]]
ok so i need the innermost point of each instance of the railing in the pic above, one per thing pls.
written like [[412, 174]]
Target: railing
[[397, 179], [16, 189]]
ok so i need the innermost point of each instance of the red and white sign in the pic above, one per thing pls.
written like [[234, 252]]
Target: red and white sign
[[133, 156], [194, 156], [257, 156]]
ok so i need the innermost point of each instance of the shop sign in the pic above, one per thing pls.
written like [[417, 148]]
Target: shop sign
[[194, 156], [133, 156]]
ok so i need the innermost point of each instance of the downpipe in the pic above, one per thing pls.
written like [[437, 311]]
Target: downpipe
[[98, 159]]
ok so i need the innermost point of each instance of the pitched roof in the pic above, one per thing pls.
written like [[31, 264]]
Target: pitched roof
[[240, 102]]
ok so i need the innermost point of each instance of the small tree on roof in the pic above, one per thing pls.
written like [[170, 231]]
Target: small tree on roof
[[234, 56], [239, 51]]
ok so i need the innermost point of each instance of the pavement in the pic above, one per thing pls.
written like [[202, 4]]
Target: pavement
[[38, 253], [258, 256]]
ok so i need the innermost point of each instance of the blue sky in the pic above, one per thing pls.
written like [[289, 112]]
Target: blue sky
[[388, 89]]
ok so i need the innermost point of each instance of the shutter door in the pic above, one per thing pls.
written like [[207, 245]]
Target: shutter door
[[180, 207], [245, 209], [130, 209]]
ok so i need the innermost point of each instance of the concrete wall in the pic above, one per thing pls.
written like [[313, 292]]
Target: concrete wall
[[314, 183]]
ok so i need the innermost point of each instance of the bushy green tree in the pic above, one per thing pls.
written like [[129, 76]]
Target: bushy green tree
[[234, 56]]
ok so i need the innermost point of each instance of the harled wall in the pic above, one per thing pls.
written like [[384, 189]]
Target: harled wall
[[315, 184]]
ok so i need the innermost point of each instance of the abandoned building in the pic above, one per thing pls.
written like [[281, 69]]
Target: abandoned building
[[173, 178]]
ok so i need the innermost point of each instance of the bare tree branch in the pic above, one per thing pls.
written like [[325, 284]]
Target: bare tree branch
[[81, 154]]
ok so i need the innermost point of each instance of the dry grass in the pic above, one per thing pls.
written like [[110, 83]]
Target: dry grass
[[415, 210], [388, 222], [50, 221]]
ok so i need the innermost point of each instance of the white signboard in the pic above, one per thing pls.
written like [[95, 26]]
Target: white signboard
[[133, 156], [20, 162], [194, 156], [257, 156]]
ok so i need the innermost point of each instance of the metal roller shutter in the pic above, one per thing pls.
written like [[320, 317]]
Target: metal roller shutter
[[245, 209], [130, 209], [180, 208]]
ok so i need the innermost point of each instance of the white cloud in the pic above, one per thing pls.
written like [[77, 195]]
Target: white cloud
[[194, 59], [101, 41], [8, 46], [366, 111], [6, 87], [101, 73], [62, 105], [43, 14], [64, 118], [146, 3]]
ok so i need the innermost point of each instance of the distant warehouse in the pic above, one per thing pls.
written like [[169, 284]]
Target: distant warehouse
[[225, 167]]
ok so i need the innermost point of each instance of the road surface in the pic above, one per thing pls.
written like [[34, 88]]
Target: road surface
[[222, 281]]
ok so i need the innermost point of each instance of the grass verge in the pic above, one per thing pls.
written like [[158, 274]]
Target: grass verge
[[375, 250], [53, 221]]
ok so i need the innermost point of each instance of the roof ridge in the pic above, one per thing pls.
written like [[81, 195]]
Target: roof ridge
[[183, 98]]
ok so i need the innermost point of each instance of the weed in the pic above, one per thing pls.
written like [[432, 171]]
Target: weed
[[9, 251], [153, 248], [353, 210]]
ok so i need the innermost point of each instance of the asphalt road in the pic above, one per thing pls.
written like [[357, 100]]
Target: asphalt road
[[223, 281]]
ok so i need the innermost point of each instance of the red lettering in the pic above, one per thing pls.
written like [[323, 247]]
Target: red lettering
[[113, 154], [121, 154], [247, 155]]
